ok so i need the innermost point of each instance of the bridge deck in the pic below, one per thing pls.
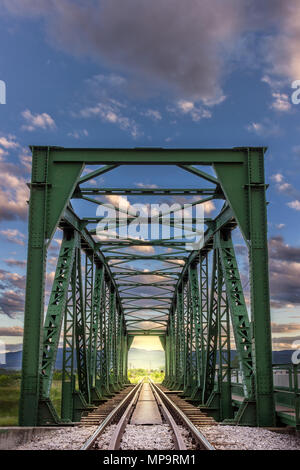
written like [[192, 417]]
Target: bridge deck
[[146, 411]]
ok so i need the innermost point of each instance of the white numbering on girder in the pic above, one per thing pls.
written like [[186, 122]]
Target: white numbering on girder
[[296, 94], [151, 222], [2, 92], [296, 354]]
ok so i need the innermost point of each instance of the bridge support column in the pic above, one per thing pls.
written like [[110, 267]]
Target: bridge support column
[[260, 297]]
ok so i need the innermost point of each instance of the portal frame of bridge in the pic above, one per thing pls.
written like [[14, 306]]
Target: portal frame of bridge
[[90, 311]]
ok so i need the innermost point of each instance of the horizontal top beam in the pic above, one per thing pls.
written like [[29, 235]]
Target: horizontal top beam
[[146, 191], [146, 156]]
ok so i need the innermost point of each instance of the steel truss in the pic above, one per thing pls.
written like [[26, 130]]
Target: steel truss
[[99, 302]]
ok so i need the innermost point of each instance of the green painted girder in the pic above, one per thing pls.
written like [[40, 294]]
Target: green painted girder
[[96, 173], [159, 308], [96, 320], [224, 219], [131, 243], [212, 334], [145, 156], [55, 176], [145, 191], [122, 275], [238, 309], [56, 309], [141, 284], [142, 332], [197, 324], [200, 173], [141, 257], [80, 334]]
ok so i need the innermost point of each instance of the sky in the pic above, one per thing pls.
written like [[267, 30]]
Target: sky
[[101, 73]]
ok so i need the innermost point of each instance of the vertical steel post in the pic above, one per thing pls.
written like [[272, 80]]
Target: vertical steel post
[[259, 286], [35, 285]]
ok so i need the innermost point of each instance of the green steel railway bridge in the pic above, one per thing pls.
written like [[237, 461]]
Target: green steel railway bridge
[[193, 300]]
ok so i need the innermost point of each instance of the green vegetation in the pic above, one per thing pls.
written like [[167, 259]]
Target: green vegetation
[[135, 375], [9, 397], [10, 382]]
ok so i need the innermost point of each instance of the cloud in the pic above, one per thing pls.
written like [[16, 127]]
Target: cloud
[[111, 80], [13, 236], [111, 112], [191, 109], [168, 43], [25, 158], [15, 262], [294, 205], [11, 331], [264, 128], [286, 342], [144, 249], [153, 114], [284, 187], [281, 102], [283, 54], [12, 302], [37, 121], [144, 185], [187, 49], [278, 178], [8, 143], [78, 134], [285, 327], [284, 267]]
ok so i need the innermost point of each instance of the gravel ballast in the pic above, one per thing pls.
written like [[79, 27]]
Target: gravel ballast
[[160, 437], [249, 438], [63, 439]]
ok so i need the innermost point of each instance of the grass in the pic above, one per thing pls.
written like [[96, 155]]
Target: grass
[[9, 397], [10, 383], [135, 375]]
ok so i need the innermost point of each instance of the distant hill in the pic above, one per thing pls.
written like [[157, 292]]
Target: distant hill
[[137, 358], [142, 358]]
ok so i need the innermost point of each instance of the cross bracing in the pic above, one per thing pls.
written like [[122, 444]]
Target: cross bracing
[[109, 288]]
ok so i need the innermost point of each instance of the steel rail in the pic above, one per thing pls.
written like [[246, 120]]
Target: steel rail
[[109, 418], [178, 439], [199, 437], [119, 431]]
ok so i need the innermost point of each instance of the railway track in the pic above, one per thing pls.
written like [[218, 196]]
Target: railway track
[[146, 404]]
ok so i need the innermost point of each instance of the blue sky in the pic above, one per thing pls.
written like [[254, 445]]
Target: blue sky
[[98, 74]]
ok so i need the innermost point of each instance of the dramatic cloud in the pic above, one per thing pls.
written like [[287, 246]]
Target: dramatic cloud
[[14, 192], [11, 331], [284, 273], [285, 327], [12, 303], [185, 47], [167, 42]]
